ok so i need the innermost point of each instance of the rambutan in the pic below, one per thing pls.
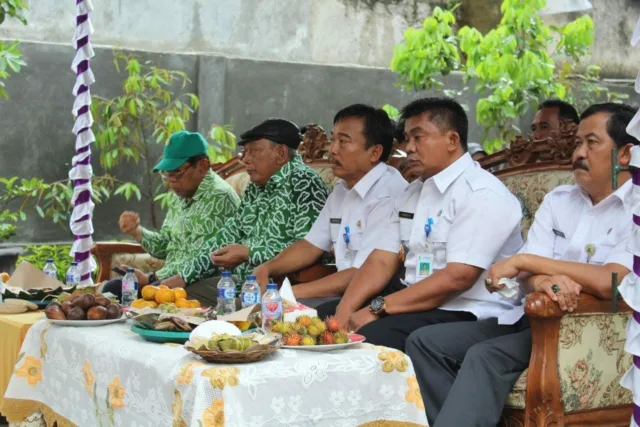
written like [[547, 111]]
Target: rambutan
[[292, 339], [327, 338], [314, 330], [304, 320], [308, 340], [332, 324], [340, 338]]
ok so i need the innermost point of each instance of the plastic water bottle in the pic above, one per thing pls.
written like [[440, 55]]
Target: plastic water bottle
[[271, 306], [226, 294], [129, 288], [50, 269], [73, 275], [250, 292]]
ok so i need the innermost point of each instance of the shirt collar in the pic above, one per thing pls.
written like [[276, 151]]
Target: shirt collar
[[445, 178], [623, 193], [283, 173], [363, 186]]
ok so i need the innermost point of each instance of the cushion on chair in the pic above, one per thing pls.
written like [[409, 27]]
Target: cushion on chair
[[144, 262], [530, 189], [591, 363]]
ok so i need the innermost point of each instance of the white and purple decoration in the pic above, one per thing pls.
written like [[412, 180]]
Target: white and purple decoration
[[81, 171]]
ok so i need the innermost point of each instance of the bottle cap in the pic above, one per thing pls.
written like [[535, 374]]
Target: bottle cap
[[272, 286], [74, 264], [49, 259], [130, 270], [226, 274], [251, 277]]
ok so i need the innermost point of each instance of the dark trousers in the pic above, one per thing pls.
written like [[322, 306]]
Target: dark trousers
[[466, 370], [393, 331]]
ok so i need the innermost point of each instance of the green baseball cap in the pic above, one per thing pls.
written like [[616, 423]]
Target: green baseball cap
[[181, 147]]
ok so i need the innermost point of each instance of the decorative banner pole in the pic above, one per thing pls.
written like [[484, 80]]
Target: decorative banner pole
[[81, 171], [630, 287]]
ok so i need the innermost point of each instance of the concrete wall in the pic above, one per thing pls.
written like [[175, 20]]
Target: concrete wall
[[344, 32]]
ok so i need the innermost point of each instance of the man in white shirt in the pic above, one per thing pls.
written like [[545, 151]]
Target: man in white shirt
[[362, 142], [452, 223], [578, 239]]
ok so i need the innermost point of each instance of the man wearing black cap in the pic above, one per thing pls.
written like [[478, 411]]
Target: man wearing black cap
[[280, 204]]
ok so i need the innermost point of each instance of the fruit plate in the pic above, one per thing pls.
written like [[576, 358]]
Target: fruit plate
[[353, 340], [177, 337], [86, 323]]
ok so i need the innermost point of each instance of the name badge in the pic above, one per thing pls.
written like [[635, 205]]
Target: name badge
[[335, 220], [405, 215], [559, 233], [424, 266]]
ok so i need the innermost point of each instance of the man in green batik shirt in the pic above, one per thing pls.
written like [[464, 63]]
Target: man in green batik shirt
[[200, 203], [280, 204]]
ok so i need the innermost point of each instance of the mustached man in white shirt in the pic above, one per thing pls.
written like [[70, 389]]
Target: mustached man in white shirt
[[452, 224], [362, 142], [578, 239]]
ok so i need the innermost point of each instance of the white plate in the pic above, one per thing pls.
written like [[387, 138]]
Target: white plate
[[86, 323], [354, 339]]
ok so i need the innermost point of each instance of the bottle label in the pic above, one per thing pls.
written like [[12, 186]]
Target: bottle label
[[249, 298], [221, 293], [272, 308], [229, 293]]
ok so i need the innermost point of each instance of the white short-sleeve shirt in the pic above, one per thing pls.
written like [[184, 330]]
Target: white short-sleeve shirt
[[361, 208], [476, 221], [567, 223]]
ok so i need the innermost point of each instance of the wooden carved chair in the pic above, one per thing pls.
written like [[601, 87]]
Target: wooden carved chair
[[577, 358]]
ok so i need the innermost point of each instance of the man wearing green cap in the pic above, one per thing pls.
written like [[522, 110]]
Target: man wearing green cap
[[279, 206], [200, 203]]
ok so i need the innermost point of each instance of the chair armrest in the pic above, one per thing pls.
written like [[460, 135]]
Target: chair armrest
[[103, 251], [539, 305]]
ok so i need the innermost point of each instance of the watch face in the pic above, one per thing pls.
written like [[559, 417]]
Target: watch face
[[377, 304]]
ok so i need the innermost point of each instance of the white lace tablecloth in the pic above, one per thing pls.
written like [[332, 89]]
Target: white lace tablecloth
[[108, 376]]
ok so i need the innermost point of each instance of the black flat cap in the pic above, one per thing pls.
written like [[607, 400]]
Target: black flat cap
[[280, 131]]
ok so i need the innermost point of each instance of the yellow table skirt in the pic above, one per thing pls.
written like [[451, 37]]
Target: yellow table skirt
[[13, 329]]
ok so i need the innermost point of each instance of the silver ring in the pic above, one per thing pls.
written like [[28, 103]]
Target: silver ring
[[488, 281]]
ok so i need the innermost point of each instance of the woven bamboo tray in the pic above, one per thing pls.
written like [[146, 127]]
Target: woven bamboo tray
[[254, 354]]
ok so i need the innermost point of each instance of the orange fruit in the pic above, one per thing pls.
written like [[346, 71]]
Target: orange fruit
[[140, 303], [165, 295], [152, 304], [180, 293], [183, 303], [149, 292], [243, 326], [5, 277], [194, 303], [163, 287]]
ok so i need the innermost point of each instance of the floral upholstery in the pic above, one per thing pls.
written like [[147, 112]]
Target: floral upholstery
[[591, 363], [530, 189], [144, 262]]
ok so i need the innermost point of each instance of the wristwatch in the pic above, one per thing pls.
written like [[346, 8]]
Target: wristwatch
[[152, 278], [378, 306]]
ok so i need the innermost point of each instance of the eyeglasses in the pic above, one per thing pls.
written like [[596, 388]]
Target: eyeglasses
[[175, 175]]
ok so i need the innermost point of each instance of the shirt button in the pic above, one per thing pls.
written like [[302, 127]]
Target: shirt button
[[591, 213]]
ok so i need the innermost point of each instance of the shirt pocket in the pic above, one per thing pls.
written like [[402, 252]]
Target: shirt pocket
[[560, 245], [405, 229], [356, 241], [334, 228], [603, 250]]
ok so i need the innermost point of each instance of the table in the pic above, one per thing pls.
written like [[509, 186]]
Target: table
[[109, 376], [13, 329]]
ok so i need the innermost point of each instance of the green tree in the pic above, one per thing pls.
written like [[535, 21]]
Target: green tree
[[512, 67], [10, 55], [147, 113]]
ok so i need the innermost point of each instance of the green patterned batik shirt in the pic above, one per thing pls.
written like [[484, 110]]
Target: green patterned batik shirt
[[190, 226], [272, 217]]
